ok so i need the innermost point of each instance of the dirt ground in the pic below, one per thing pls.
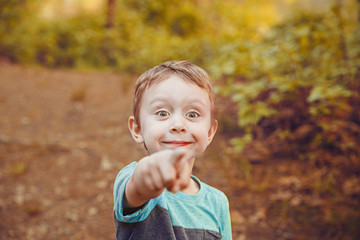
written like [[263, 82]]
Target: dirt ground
[[63, 139]]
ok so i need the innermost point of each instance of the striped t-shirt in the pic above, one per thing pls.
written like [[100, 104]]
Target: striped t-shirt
[[204, 215]]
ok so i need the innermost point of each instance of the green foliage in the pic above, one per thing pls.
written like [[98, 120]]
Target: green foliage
[[297, 72], [239, 143], [298, 61], [297, 92], [145, 33], [14, 18]]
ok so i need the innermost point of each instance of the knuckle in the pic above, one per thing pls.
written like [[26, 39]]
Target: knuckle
[[149, 183], [145, 172], [169, 180]]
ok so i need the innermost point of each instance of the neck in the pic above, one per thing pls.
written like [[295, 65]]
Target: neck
[[192, 188]]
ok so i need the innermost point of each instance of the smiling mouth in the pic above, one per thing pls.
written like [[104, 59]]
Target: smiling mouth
[[177, 143]]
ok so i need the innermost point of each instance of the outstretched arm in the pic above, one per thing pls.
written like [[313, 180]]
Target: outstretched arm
[[169, 169]]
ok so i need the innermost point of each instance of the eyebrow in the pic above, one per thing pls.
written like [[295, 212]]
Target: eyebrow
[[159, 100], [163, 99], [198, 103]]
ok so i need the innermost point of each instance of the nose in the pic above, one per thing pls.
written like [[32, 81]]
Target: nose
[[177, 125]]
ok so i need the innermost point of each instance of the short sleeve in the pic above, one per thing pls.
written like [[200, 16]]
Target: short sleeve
[[119, 190], [226, 226]]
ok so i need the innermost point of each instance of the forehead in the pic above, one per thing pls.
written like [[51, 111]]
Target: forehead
[[175, 88], [171, 76]]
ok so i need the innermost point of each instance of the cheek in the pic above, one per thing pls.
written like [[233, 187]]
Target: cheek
[[201, 133], [153, 131]]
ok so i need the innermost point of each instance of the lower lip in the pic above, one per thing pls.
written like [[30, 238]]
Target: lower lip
[[177, 144]]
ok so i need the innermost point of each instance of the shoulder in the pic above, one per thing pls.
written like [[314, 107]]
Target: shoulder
[[126, 171], [213, 191], [214, 195], [122, 177]]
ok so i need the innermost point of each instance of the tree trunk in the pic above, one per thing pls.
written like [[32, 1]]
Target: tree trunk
[[358, 11], [111, 13], [342, 41]]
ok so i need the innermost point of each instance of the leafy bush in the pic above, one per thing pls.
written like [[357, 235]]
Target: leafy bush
[[296, 76], [297, 96], [145, 33]]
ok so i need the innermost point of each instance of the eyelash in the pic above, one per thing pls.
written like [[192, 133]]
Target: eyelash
[[158, 113], [193, 112], [167, 114]]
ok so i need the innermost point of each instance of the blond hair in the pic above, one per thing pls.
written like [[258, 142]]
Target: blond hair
[[187, 71]]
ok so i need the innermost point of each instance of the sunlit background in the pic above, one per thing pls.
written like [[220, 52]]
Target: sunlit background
[[287, 81]]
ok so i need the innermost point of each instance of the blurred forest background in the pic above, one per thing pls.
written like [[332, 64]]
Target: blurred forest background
[[287, 77]]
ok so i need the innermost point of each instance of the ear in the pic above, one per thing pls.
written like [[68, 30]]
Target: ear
[[212, 131], [135, 130]]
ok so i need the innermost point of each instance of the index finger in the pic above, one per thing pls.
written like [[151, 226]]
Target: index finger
[[183, 158], [178, 155]]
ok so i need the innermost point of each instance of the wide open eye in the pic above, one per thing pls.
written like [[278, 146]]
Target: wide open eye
[[192, 114], [162, 113]]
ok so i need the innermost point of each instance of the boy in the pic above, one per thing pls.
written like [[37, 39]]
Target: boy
[[157, 198]]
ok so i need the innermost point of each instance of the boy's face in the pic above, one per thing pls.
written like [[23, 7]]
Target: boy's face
[[174, 114]]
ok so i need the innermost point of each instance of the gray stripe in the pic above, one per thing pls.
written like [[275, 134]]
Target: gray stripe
[[158, 226]]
